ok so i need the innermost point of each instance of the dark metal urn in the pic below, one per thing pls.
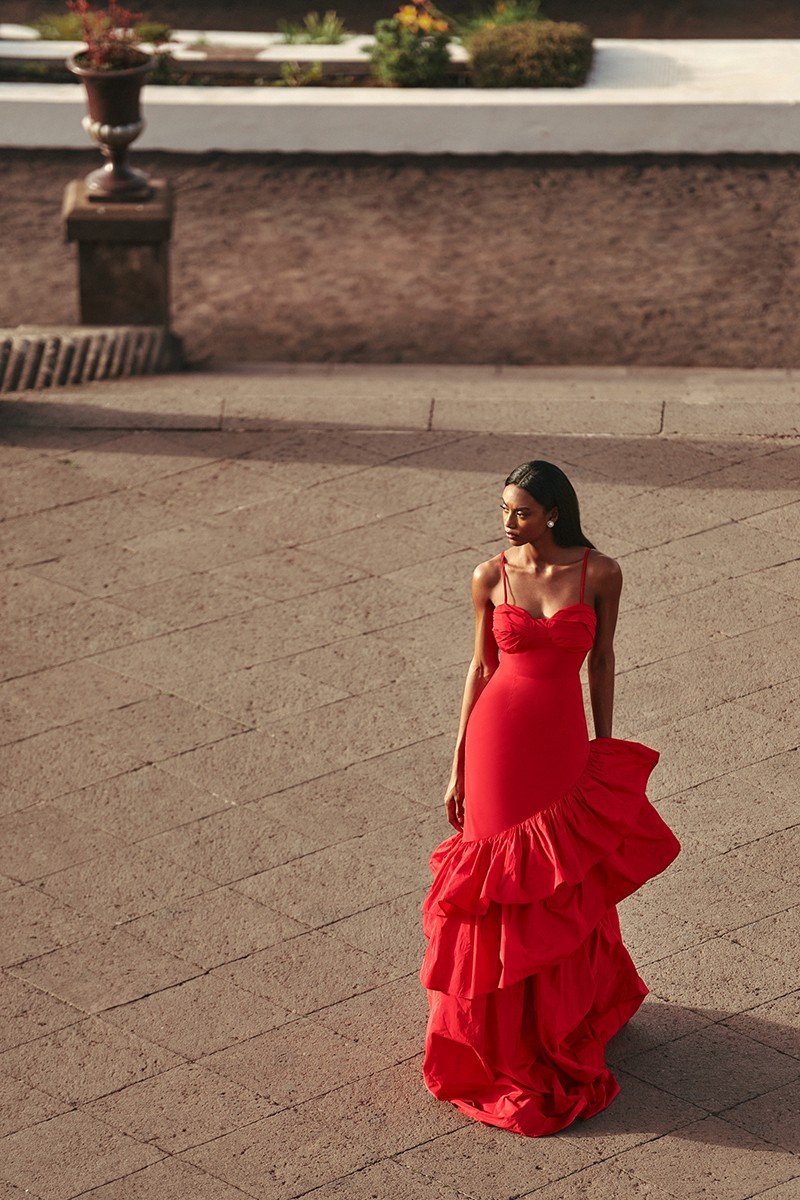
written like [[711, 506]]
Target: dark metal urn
[[114, 120]]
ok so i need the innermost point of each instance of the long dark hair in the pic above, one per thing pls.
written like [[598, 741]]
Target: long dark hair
[[548, 484]]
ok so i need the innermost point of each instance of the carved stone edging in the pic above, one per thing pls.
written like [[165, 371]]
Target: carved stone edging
[[34, 358]]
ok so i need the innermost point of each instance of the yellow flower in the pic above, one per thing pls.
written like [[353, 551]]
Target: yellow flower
[[425, 22], [440, 26]]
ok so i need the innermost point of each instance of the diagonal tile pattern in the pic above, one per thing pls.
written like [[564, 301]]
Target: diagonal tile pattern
[[232, 668]]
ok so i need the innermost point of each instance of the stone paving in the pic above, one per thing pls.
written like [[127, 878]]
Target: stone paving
[[237, 621]]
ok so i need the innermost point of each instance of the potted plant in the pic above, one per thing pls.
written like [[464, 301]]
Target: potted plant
[[113, 69]]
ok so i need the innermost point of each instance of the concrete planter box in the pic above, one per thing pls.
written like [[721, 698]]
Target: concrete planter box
[[663, 97]]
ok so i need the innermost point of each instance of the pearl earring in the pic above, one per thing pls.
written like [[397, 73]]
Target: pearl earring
[[550, 524]]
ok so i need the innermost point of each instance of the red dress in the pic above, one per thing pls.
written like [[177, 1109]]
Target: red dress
[[526, 972]]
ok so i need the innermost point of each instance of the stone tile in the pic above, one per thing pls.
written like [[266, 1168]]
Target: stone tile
[[738, 887], [101, 972], [651, 934], [388, 1111], [732, 549], [163, 726], [175, 661], [194, 545], [105, 570], [363, 1019], [419, 771], [17, 722], [661, 464], [337, 806], [9, 1192], [71, 1154], [27, 1014], [214, 487], [695, 749], [710, 1157], [182, 1107], [736, 808], [655, 1024], [188, 600], [718, 976], [641, 1113], [254, 764], [140, 803], [380, 546], [215, 928], [307, 973], [349, 876], [42, 484], [168, 1179], [776, 936], [23, 593], [70, 632], [390, 932], [196, 1018], [602, 1182], [293, 1150], [432, 642], [778, 702], [258, 694], [42, 839], [448, 577], [781, 520], [714, 1068], [774, 1116], [51, 693], [34, 924], [552, 415], [22, 1105], [365, 663], [294, 1062], [85, 1060], [46, 766], [28, 540], [386, 490], [783, 578], [134, 458], [776, 1024], [784, 1191], [288, 574], [110, 518], [231, 845], [386, 1178], [679, 624], [124, 883]]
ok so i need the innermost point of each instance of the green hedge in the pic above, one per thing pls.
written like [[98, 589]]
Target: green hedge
[[530, 54]]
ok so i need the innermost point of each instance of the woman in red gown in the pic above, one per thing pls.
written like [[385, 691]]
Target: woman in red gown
[[526, 972]]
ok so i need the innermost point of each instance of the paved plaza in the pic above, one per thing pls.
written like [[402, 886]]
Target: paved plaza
[[237, 620]]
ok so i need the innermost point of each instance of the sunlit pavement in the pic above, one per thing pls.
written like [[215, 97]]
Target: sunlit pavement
[[237, 622]]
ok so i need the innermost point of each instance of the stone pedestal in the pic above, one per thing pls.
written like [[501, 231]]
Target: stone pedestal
[[123, 256]]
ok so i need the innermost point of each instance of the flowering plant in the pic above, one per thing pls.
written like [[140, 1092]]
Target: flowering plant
[[410, 48], [112, 40]]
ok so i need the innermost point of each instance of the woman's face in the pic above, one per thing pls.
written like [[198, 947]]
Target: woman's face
[[524, 518]]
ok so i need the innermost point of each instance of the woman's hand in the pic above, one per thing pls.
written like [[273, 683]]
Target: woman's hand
[[454, 804]]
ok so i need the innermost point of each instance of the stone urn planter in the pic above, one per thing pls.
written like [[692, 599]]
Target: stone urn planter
[[114, 120]]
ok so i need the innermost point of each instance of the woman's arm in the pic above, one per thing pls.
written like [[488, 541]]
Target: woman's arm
[[481, 668], [605, 578]]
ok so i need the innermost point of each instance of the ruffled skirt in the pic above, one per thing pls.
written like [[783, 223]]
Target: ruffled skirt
[[526, 972]]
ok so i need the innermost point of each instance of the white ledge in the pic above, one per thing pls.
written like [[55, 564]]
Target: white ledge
[[662, 97]]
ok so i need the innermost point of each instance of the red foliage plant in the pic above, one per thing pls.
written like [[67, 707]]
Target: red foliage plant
[[111, 38]]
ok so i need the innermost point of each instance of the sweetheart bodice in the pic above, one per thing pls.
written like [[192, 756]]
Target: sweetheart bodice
[[571, 628]]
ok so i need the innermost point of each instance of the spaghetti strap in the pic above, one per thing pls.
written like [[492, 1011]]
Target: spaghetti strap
[[583, 572], [503, 572]]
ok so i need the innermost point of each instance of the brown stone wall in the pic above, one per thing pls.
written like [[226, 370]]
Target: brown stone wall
[[679, 261]]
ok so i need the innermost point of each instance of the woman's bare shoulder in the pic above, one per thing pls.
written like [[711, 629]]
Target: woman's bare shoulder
[[604, 571], [486, 576]]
